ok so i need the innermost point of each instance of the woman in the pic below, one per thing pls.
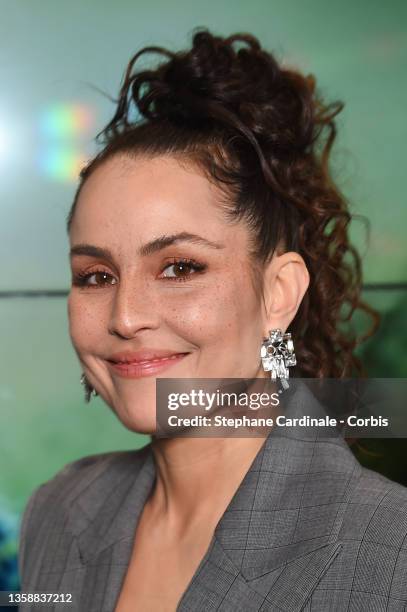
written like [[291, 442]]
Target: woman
[[196, 231]]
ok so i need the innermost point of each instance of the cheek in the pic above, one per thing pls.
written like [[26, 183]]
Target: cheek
[[224, 312], [84, 323]]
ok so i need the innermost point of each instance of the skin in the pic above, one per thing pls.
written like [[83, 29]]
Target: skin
[[216, 315]]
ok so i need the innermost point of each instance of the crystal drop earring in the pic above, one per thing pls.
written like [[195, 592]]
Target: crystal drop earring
[[89, 390], [277, 355]]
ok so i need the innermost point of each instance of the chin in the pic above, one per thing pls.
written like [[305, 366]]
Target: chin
[[138, 422]]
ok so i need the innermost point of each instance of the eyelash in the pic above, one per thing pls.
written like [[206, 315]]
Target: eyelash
[[81, 278]]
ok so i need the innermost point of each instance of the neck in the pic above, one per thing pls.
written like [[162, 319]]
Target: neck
[[197, 478]]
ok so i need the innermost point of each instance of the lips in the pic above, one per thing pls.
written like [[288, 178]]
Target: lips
[[142, 356], [143, 363]]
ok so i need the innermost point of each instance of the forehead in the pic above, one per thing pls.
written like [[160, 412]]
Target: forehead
[[134, 200]]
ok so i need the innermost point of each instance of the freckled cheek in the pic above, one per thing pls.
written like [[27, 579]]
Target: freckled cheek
[[212, 315], [85, 325], [186, 317]]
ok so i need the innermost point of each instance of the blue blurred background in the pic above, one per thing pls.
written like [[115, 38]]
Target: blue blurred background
[[53, 59]]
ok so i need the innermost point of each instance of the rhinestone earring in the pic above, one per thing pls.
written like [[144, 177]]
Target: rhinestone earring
[[277, 355], [89, 390]]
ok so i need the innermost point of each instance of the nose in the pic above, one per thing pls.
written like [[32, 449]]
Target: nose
[[133, 309]]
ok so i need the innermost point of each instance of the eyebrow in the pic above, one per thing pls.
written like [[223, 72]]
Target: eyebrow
[[147, 249]]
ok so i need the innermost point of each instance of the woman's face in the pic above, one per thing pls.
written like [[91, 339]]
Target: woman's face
[[137, 296]]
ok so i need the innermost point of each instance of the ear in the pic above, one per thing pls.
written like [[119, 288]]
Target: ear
[[286, 280]]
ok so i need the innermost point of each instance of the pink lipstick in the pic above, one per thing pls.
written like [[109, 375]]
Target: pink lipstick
[[146, 362]]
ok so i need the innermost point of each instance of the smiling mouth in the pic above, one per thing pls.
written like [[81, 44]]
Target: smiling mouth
[[138, 369]]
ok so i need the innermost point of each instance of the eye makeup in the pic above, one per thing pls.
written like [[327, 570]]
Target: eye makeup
[[182, 264]]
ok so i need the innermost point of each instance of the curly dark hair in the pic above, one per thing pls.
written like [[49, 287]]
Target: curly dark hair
[[264, 135]]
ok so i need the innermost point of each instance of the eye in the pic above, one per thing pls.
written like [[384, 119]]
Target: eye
[[82, 279], [182, 269]]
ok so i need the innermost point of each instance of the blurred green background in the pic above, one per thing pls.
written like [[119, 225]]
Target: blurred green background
[[53, 58]]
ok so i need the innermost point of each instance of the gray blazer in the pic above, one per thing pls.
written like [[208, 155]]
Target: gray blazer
[[308, 529]]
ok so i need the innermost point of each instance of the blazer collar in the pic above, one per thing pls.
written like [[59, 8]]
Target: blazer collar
[[281, 525], [292, 499]]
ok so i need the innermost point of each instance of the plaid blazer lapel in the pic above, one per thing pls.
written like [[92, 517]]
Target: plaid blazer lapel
[[279, 533], [105, 539]]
